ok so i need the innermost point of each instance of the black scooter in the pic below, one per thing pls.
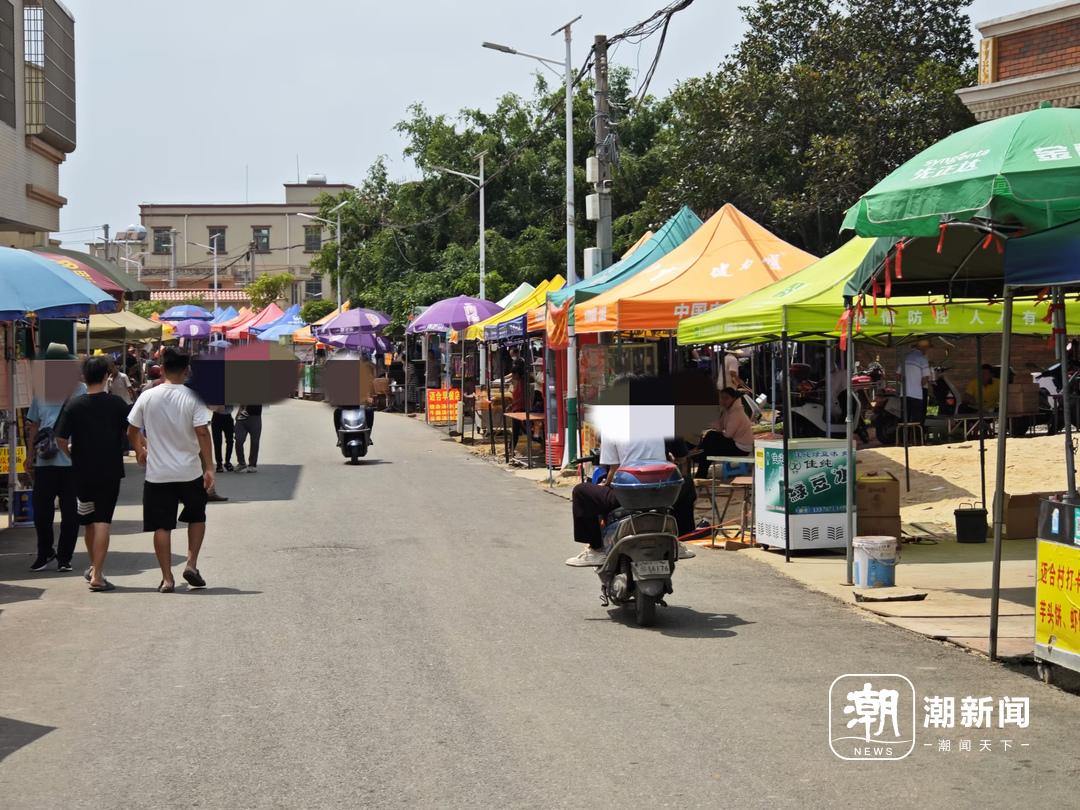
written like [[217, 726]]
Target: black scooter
[[354, 434]]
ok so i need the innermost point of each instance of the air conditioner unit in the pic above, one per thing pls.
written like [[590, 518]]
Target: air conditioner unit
[[592, 263], [592, 207], [592, 169]]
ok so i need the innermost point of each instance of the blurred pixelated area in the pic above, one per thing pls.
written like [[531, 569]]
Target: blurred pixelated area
[[255, 374], [666, 406], [348, 381]]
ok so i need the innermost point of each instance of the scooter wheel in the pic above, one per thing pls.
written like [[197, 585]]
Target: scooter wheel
[[644, 609]]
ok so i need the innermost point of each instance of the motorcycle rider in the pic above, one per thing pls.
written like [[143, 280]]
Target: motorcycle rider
[[367, 375]]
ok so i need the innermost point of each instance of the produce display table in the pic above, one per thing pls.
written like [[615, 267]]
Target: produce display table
[[528, 419]]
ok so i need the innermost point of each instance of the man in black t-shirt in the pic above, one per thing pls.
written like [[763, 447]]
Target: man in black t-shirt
[[91, 430]]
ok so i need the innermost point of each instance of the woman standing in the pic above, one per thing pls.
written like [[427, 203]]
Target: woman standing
[[248, 424]]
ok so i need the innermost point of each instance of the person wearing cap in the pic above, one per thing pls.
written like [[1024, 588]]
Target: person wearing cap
[[51, 472], [917, 378]]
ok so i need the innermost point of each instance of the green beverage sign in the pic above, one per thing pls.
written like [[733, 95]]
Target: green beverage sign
[[817, 484]]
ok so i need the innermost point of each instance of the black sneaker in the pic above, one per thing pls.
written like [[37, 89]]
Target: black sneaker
[[228, 467], [41, 563], [63, 566], [220, 468]]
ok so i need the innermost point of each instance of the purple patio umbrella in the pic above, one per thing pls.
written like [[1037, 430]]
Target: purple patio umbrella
[[355, 320], [358, 340], [453, 313], [193, 328], [185, 312]]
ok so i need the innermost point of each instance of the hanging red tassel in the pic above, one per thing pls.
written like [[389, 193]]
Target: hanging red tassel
[[875, 289], [859, 316], [842, 328], [999, 243], [888, 281], [900, 260], [933, 308], [941, 237], [988, 240]]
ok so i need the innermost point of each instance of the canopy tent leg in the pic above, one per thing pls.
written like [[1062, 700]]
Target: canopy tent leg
[[407, 370], [999, 472], [1066, 399], [902, 365], [849, 430], [982, 426], [772, 391], [787, 436]]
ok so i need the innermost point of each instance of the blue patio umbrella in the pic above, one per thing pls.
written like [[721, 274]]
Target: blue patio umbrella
[[185, 312], [32, 284], [223, 315]]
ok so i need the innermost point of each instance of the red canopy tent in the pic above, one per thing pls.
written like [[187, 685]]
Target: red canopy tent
[[265, 317]]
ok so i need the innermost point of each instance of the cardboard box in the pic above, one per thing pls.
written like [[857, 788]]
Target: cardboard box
[[1023, 398], [1022, 514], [877, 495], [866, 526]]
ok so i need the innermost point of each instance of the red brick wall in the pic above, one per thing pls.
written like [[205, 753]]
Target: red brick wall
[[1038, 50]]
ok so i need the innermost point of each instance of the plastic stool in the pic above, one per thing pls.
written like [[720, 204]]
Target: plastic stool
[[910, 431]]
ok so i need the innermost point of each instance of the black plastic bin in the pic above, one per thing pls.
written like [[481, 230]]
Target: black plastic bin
[[970, 524]]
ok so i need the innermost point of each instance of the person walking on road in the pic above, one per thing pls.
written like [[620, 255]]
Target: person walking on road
[[222, 427], [179, 465], [91, 431], [248, 424], [53, 477]]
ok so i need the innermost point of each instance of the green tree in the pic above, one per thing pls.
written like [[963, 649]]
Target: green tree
[[819, 101], [315, 309], [147, 308], [267, 289]]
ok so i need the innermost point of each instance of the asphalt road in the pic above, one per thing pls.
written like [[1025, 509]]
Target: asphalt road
[[404, 634]]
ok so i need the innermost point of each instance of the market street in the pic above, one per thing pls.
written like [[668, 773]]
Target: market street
[[404, 633]]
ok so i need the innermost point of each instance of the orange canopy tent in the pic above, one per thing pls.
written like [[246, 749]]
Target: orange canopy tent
[[243, 316], [264, 317], [726, 258], [303, 334], [645, 237]]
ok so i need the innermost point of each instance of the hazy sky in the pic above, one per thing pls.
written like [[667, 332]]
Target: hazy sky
[[175, 99]]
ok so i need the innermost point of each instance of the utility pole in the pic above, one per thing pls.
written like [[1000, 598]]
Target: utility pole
[[605, 148], [108, 253], [172, 258], [571, 251], [251, 262]]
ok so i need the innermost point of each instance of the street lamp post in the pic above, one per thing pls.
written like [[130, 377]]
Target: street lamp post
[[212, 247], [337, 235], [477, 180], [135, 261], [571, 259]]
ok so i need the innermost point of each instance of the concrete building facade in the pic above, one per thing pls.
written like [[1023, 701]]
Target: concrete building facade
[[37, 116], [251, 239], [1026, 59]]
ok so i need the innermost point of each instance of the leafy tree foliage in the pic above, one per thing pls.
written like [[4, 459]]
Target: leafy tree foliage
[[267, 289], [818, 102], [315, 309]]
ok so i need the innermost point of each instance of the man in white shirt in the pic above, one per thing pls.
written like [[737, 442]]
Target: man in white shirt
[[591, 502], [917, 378], [731, 372], [179, 464]]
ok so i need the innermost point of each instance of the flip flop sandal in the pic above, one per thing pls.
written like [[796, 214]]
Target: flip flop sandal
[[108, 586], [164, 588], [86, 574], [194, 578]]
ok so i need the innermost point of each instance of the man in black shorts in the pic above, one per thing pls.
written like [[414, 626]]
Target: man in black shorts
[[91, 431], [179, 464]]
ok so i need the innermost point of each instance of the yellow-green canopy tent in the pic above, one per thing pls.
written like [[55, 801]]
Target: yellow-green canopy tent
[[117, 328], [809, 305], [522, 307]]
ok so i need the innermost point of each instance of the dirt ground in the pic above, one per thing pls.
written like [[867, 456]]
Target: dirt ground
[[945, 475]]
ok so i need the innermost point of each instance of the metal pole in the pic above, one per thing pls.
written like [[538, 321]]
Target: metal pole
[[571, 260], [483, 263], [338, 236], [1066, 403], [772, 384], [828, 390], [13, 427], [787, 438], [852, 467], [982, 427], [999, 473], [408, 372], [902, 365], [214, 242], [172, 259]]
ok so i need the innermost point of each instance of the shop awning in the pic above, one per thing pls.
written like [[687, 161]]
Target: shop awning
[[728, 257], [304, 335], [809, 304], [117, 282], [560, 305]]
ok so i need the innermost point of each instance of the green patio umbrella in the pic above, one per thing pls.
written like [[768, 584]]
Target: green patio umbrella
[[1021, 170]]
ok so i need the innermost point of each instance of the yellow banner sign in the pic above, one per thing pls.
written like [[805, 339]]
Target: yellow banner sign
[[20, 459], [1057, 596]]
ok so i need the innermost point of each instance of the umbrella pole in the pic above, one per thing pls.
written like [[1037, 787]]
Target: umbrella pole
[[408, 366], [787, 437], [13, 427], [1066, 404], [999, 473], [849, 430], [982, 427]]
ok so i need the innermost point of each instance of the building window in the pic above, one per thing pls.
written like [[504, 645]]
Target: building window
[[162, 241], [313, 287], [7, 63], [260, 237], [215, 238], [49, 73], [312, 238]]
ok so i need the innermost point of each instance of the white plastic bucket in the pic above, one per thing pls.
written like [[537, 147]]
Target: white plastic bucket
[[875, 561]]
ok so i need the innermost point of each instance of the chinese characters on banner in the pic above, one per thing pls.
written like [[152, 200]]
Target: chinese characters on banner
[[1057, 592], [442, 404]]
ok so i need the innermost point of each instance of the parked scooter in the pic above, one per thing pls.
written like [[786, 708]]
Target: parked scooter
[[354, 434], [641, 539], [808, 411]]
